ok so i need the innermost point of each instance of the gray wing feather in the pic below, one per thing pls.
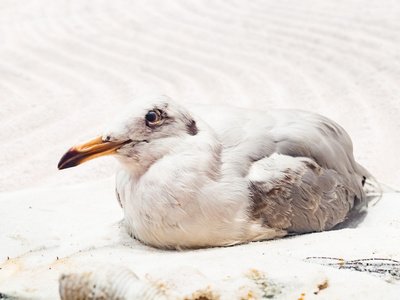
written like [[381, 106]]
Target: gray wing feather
[[298, 195], [311, 181]]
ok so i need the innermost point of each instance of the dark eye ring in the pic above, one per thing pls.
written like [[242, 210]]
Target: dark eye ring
[[153, 116]]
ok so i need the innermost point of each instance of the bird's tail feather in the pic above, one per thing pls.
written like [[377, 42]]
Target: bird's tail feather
[[374, 190], [371, 187]]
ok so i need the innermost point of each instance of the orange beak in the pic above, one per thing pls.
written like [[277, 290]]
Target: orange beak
[[84, 152]]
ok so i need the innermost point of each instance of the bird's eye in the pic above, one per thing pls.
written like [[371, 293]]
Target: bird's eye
[[153, 116]]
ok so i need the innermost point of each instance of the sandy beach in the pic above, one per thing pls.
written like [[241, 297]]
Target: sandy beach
[[68, 66]]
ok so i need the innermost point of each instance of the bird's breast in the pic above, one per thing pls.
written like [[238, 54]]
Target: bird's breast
[[186, 211]]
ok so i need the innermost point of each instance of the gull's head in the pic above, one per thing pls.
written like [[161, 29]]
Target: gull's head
[[146, 130]]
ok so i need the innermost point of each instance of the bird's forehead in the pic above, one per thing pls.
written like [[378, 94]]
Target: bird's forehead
[[142, 105]]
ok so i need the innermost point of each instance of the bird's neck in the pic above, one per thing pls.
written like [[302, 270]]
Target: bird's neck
[[200, 154]]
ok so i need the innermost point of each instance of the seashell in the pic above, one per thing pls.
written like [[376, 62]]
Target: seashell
[[107, 282]]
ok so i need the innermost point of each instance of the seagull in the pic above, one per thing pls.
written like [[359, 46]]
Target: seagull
[[220, 176]]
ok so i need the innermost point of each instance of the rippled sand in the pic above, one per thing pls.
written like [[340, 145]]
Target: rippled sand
[[67, 66]]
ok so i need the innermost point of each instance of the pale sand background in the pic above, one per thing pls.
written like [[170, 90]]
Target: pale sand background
[[67, 66]]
